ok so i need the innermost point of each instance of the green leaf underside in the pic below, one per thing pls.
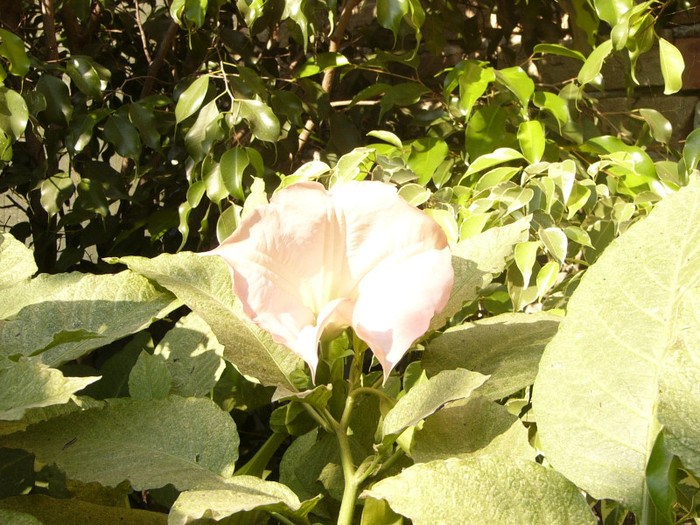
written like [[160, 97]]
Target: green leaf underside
[[506, 347], [204, 284], [484, 489], [426, 398], [247, 493], [473, 427], [65, 316], [190, 443], [632, 316]]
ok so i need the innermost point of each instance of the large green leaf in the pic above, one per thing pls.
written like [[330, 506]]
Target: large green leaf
[[428, 397], [17, 261], [630, 325], [70, 314], [30, 384], [476, 260], [612, 10], [474, 427], [246, 493], [193, 356], [485, 489], [189, 443], [506, 347], [149, 378], [65, 316], [52, 511], [204, 284]]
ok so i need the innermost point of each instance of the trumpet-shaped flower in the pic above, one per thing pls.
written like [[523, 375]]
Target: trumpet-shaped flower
[[313, 262]]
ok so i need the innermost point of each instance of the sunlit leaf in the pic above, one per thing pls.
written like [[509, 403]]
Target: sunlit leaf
[[476, 260], [204, 284], [603, 363], [507, 490], [672, 66], [151, 443], [591, 68], [263, 122], [191, 99], [531, 139], [17, 261], [506, 347], [474, 427], [29, 383], [426, 398], [14, 114], [71, 314]]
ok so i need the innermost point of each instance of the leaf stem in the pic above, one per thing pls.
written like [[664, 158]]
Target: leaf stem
[[375, 392], [259, 461]]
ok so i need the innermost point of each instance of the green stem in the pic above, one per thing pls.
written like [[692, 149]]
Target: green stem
[[347, 506], [352, 480], [375, 392], [259, 461]]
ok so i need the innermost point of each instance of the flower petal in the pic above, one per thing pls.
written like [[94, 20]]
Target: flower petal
[[288, 263], [397, 300], [399, 257]]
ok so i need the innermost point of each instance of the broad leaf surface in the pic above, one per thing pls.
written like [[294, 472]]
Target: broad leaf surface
[[476, 427], [17, 261], [486, 489], [476, 260], [65, 316], [52, 511], [507, 347], [426, 398], [204, 284], [246, 493], [193, 356], [189, 443], [30, 384], [149, 378], [631, 324]]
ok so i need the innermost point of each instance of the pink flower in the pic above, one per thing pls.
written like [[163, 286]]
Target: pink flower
[[314, 262]]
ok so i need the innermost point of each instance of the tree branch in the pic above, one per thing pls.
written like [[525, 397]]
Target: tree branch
[[329, 75], [155, 66], [48, 15], [144, 42]]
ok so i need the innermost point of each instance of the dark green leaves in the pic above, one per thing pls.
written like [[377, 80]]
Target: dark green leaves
[[12, 48]]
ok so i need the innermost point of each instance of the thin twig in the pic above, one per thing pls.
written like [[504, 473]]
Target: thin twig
[[329, 75], [144, 41], [159, 58]]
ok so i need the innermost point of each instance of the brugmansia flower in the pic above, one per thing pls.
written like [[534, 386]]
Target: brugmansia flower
[[313, 262]]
